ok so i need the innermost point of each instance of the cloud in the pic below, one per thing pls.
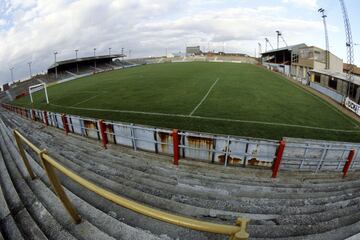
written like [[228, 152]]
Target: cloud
[[34, 29], [310, 4]]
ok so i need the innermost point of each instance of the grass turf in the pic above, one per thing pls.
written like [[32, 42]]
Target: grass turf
[[243, 92]]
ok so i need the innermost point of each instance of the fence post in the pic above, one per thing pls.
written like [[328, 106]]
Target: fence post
[[65, 123], [55, 182], [175, 135], [33, 115], [102, 127], [348, 162], [23, 154], [279, 155], [46, 118]]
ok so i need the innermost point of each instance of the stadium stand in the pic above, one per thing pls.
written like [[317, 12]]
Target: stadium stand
[[295, 206]]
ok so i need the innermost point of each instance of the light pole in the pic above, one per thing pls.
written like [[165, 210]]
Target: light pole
[[12, 74], [129, 53], [30, 69], [94, 58], [76, 57], [122, 53], [55, 53], [109, 51]]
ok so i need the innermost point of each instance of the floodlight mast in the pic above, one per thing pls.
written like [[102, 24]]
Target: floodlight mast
[[76, 57], [268, 42], [349, 45], [56, 75], [95, 59], [279, 35], [327, 46], [12, 74], [29, 63]]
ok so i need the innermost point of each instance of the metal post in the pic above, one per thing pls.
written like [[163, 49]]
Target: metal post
[[65, 123], [242, 234], [348, 162], [23, 155], [55, 182], [46, 118], [103, 135], [175, 136], [133, 136], [227, 151], [279, 155], [322, 157]]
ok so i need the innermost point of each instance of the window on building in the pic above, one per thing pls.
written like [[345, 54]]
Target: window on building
[[352, 91], [317, 78], [295, 58], [333, 83]]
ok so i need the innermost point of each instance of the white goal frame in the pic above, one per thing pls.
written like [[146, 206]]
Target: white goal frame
[[36, 88]]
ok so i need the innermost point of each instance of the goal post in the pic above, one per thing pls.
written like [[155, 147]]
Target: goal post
[[36, 88]]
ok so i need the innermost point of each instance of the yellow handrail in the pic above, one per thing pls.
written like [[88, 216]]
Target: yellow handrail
[[235, 232]]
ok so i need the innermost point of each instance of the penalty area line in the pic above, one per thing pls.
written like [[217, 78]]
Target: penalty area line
[[208, 118], [204, 98]]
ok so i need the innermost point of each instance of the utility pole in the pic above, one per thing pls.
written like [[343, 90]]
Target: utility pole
[[12, 74], [29, 63], [76, 57], [56, 75], [327, 47]]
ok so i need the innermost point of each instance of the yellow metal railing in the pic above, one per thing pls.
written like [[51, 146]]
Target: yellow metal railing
[[237, 232]]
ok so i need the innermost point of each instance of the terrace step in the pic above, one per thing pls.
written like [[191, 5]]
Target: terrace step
[[88, 229], [333, 223]]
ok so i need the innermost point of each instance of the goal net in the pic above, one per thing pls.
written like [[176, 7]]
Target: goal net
[[37, 88]]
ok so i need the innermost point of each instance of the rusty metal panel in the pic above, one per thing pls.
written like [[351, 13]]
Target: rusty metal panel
[[198, 146], [90, 128], [261, 153], [109, 130], [164, 142], [230, 151], [123, 135], [144, 138]]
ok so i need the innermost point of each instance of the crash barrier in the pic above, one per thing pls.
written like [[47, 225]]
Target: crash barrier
[[287, 154], [49, 164]]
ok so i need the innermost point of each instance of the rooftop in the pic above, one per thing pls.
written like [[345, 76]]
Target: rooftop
[[288, 48], [74, 60]]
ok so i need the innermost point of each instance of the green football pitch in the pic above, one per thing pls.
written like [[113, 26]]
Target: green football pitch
[[227, 98]]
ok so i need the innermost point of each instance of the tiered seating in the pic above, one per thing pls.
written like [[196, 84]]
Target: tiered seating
[[295, 206]]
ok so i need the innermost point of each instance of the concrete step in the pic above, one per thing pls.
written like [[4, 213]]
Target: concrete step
[[337, 218], [88, 229], [19, 222]]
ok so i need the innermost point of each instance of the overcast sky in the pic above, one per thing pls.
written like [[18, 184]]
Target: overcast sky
[[30, 30]]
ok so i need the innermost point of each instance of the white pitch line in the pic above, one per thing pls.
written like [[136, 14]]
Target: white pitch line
[[88, 99], [204, 98], [208, 118]]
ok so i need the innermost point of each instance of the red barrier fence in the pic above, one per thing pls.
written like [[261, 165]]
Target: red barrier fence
[[348, 162]]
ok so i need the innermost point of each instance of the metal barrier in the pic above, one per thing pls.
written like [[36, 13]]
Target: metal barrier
[[237, 232], [298, 155]]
